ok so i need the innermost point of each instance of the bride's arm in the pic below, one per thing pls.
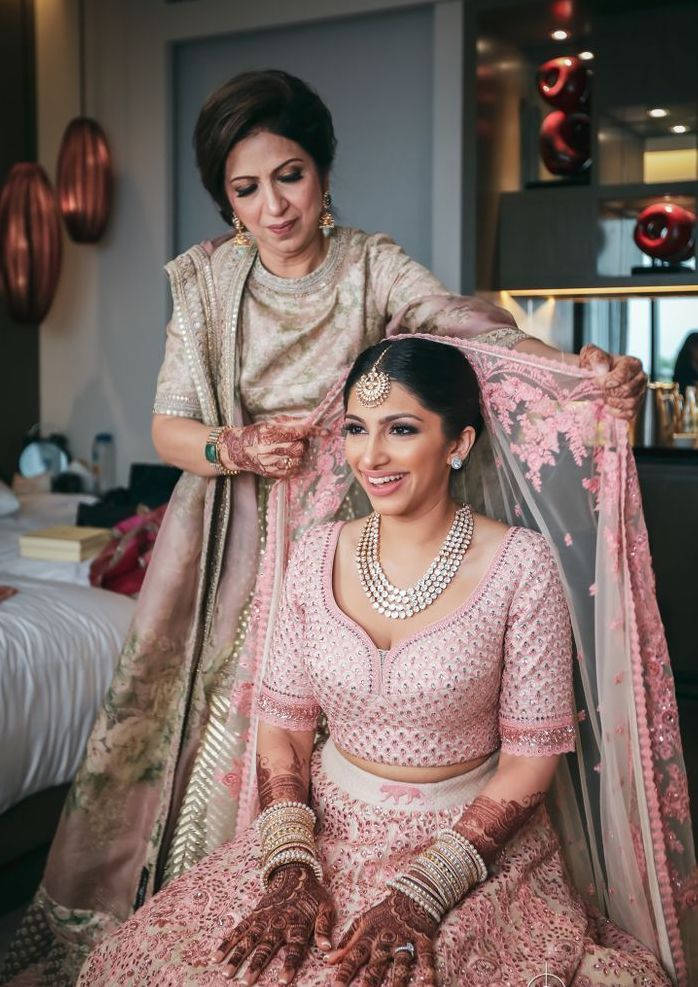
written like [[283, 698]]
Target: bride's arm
[[506, 802], [283, 764]]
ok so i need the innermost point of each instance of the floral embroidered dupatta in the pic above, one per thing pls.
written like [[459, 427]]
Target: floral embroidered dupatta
[[554, 458]]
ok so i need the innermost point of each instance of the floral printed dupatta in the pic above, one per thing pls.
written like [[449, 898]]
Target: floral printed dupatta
[[554, 458]]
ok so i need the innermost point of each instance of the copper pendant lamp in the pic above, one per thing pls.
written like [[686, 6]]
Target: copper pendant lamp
[[84, 180], [84, 169], [30, 242]]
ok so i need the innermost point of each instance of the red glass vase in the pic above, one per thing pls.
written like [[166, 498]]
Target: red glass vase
[[564, 83], [565, 142], [665, 231], [30, 242], [84, 180]]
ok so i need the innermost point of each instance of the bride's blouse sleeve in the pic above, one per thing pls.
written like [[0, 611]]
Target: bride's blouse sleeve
[[286, 695], [536, 707], [398, 281], [175, 393]]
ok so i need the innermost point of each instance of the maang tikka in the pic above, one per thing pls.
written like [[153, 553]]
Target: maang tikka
[[373, 388]]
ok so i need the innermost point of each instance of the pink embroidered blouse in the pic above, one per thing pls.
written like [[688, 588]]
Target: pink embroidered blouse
[[495, 672]]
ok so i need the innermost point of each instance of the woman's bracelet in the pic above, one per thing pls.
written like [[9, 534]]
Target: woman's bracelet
[[282, 806], [443, 874], [455, 838], [212, 451], [287, 834], [296, 856], [419, 894]]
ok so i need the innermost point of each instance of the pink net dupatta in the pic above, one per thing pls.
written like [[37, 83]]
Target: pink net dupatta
[[554, 458]]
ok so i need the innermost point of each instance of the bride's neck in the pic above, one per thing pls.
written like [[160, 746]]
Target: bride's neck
[[420, 531]]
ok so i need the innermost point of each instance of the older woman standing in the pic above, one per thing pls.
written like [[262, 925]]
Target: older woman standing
[[264, 322]]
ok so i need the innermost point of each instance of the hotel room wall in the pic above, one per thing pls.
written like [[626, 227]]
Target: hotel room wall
[[101, 345]]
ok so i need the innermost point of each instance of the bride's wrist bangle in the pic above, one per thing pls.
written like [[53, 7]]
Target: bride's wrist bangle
[[295, 856], [212, 451]]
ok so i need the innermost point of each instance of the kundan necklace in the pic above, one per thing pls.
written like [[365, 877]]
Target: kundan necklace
[[399, 603]]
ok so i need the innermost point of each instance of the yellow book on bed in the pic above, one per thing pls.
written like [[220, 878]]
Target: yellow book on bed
[[63, 543]]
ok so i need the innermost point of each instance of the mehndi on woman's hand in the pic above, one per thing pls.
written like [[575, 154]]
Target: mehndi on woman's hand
[[624, 380], [397, 933], [273, 448], [295, 907]]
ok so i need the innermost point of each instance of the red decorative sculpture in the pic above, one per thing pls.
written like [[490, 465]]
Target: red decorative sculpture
[[564, 82], [565, 142], [84, 180], [665, 231], [30, 242]]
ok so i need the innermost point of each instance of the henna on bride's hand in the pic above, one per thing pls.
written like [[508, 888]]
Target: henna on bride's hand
[[372, 938], [277, 781], [489, 824], [294, 907]]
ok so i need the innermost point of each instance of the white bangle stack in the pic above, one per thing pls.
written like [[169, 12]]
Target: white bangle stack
[[442, 874], [287, 833]]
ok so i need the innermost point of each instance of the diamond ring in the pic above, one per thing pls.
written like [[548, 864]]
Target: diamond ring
[[407, 947]]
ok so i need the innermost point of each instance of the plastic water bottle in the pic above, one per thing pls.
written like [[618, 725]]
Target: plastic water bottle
[[103, 462]]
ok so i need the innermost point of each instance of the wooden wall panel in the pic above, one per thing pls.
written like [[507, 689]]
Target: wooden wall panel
[[19, 344]]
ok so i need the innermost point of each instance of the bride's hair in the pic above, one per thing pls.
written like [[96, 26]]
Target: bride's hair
[[438, 375]]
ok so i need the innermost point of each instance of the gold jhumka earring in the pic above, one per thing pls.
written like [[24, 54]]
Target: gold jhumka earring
[[326, 222], [242, 237], [373, 388]]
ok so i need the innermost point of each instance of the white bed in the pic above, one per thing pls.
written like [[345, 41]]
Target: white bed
[[59, 641]]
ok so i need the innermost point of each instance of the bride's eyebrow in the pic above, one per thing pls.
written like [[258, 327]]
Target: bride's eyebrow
[[388, 418]]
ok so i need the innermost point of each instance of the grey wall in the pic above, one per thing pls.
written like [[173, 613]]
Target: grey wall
[[375, 72]]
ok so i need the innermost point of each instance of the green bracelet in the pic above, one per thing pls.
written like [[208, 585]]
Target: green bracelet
[[212, 452]]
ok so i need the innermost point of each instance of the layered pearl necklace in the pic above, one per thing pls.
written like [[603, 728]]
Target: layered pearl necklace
[[399, 603]]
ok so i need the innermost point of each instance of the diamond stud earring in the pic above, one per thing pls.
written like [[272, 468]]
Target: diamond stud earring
[[456, 462]]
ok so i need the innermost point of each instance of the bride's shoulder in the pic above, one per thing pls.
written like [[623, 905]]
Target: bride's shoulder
[[311, 542]]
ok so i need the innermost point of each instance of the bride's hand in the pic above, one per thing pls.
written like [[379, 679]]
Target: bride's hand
[[294, 907], [624, 380], [273, 448], [373, 938]]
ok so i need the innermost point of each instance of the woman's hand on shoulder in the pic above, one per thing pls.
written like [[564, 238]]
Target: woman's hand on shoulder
[[372, 939], [272, 448], [295, 907]]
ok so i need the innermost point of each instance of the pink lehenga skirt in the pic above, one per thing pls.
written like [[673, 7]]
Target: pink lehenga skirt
[[526, 915]]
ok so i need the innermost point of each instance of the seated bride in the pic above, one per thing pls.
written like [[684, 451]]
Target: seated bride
[[414, 844]]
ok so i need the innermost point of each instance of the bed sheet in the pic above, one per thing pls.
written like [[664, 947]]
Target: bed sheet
[[59, 642]]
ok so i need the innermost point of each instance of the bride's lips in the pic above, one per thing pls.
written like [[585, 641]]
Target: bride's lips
[[282, 227], [383, 484]]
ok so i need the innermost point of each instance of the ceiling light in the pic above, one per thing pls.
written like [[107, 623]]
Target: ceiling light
[[657, 112], [559, 35], [586, 56], [679, 128]]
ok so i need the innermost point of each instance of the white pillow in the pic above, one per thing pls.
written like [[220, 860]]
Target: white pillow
[[8, 502]]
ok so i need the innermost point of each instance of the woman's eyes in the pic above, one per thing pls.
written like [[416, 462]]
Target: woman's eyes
[[287, 178], [395, 429]]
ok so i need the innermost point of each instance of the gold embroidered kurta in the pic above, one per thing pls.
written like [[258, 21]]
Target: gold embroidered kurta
[[297, 335]]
